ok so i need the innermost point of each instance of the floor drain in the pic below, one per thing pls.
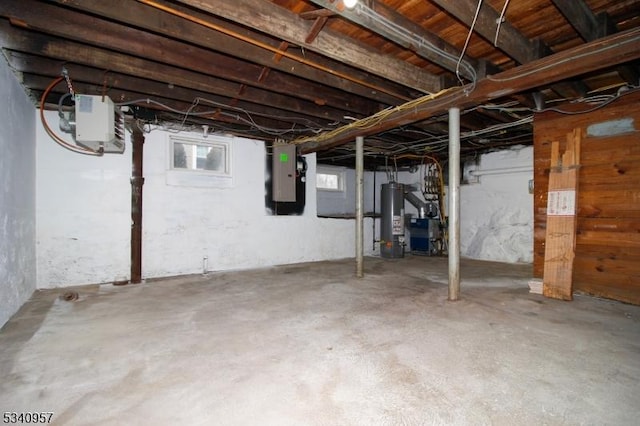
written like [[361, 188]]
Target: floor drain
[[70, 296]]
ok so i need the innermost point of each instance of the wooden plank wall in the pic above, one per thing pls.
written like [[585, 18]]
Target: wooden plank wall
[[607, 258]]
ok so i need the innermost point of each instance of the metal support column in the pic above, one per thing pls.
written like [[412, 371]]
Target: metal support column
[[454, 203], [137, 180], [359, 206]]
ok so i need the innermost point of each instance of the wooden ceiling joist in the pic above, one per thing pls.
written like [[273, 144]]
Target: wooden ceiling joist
[[110, 80], [145, 17], [290, 61], [137, 43], [602, 53], [286, 25], [591, 27], [581, 18], [511, 41], [73, 52], [318, 13], [400, 21]]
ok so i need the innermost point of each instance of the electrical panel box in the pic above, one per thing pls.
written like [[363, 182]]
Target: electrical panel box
[[284, 173], [99, 124]]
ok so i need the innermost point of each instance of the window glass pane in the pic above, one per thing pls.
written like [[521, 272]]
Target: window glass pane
[[203, 151], [200, 157], [179, 156], [215, 159], [327, 181]]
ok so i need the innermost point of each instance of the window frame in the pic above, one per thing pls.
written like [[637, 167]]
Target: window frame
[[209, 142], [340, 172]]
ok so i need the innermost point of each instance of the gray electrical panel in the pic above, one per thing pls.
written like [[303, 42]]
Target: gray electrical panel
[[284, 173]]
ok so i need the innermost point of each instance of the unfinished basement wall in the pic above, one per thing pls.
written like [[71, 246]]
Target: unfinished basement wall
[[496, 208], [83, 213], [188, 224], [496, 220], [227, 226], [343, 203], [17, 196], [607, 255]]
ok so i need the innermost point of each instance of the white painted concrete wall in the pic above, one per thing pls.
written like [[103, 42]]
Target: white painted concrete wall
[[83, 213], [336, 203], [230, 225], [496, 217], [17, 195], [339, 202], [84, 219], [496, 211], [344, 203]]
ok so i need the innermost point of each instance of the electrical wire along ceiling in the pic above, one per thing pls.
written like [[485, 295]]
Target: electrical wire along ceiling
[[318, 73]]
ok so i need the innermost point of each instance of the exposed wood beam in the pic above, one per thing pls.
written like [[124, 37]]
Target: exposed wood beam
[[593, 56], [591, 27], [358, 16], [86, 29], [141, 16], [510, 40], [39, 84], [494, 115], [49, 68], [579, 15], [318, 25], [280, 22], [51, 47], [282, 48], [318, 13], [320, 17]]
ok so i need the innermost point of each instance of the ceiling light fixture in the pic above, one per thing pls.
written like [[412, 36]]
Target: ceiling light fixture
[[350, 4]]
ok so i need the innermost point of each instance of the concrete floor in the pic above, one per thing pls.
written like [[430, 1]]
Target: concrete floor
[[310, 344]]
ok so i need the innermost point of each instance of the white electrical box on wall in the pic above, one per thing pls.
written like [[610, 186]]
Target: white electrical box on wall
[[99, 124]]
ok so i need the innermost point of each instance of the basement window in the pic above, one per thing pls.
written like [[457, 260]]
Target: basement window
[[204, 156], [330, 179], [199, 162]]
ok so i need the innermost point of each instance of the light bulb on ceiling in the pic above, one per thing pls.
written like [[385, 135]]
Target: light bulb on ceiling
[[350, 4]]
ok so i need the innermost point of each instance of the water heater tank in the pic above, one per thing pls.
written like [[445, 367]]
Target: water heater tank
[[392, 239]]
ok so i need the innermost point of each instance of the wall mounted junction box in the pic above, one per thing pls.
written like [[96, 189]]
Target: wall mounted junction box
[[99, 124]]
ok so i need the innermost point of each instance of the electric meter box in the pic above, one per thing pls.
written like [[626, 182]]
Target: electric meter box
[[99, 124]]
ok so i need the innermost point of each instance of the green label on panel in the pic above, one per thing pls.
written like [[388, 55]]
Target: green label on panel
[[284, 157]]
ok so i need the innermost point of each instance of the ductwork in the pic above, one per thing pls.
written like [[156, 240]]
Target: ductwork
[[426, 209]]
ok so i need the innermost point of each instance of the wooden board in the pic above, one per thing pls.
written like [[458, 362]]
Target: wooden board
[[561, 219], [607, 252]]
